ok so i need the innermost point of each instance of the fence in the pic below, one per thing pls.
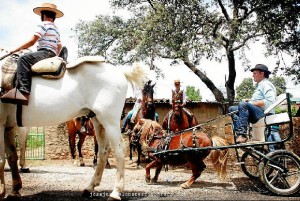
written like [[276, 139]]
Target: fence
[[35, 149]]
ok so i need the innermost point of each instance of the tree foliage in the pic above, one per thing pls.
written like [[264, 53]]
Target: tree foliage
[[188, 31], [279, 83], [281, 24], [193, 94], [246, 88]]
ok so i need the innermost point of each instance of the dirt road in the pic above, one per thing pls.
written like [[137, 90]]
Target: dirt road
[[60, 180]]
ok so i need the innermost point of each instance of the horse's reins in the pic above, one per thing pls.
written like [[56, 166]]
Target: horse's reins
[[207, 122], [3, 57]]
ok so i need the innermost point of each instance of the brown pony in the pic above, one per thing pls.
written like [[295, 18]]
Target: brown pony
[[82, 126], [154, 139], [179, 118]]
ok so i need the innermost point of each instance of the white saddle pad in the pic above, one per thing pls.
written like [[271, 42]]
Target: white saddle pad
[[85, 59]]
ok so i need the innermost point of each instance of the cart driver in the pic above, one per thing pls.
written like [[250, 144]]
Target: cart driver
[[252, 110]]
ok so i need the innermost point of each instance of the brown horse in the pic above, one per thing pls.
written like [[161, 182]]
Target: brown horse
[[147, 111], [154, 139], [179, 118], [82, 126]]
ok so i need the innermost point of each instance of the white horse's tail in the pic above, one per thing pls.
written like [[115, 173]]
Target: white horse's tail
[[219, 158], [137, 74]]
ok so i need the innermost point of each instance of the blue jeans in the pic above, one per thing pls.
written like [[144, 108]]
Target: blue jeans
[[127, 120], [247, 112], [274, 136], [24, 64]]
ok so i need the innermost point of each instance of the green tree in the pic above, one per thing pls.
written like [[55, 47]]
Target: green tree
[[281, 24], [245, 89], [193, 94], [279, 83], [188, 31]]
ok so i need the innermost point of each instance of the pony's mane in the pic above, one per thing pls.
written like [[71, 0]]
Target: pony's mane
[[148, 128]]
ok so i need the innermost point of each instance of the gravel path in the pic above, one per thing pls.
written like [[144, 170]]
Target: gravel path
[[61, 180]]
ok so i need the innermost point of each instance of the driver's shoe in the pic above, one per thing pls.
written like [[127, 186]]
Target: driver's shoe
[[241, 139]]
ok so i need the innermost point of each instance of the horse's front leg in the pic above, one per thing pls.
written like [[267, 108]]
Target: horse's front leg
[[130, 149], [12, 158], [2, 163], [159, 166], [197, 168], [79, 146], [72, 147], [139, 152], [148, 168]]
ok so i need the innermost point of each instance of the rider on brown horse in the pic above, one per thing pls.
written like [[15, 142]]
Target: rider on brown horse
[[178, 95], [179, 117]]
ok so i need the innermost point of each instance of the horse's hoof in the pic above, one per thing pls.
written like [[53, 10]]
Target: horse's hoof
[[114, 196], [147, 179], [13, 197], [25, 170], [75, 163], [86, 193], [153, 181], [82, 164], [185, 186]]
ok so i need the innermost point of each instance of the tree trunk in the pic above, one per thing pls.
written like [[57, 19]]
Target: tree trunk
[[231, 78], [217, 93]]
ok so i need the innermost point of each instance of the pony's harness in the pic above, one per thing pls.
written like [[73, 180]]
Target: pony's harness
[[164, 144]]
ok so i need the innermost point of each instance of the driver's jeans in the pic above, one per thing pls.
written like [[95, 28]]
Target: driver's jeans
[[247, 112], [24, 64]]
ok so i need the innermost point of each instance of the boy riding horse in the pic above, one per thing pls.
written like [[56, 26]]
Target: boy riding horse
[[49, 45], [178, 95]]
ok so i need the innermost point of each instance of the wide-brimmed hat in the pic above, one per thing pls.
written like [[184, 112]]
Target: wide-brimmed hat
[[261, 67], [176, 81], [48, 7]]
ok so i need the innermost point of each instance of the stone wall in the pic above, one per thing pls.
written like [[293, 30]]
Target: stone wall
[[57, 143]]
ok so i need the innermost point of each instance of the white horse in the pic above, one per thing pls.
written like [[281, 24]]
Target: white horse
[[87, 86]]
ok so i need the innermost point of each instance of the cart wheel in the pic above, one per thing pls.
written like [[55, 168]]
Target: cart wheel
[[281, 174], [251, 162]]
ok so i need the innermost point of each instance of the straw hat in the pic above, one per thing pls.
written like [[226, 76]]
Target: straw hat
[[176, 81], [48, 7]]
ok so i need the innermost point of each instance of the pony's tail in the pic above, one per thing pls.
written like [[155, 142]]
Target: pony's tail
[[219, 158], [136, 74]]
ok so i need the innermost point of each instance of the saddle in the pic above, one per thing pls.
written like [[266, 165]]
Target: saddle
[[51, 68]]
